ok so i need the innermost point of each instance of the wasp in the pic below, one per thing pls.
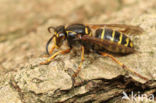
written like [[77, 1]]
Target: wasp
[[96, 37]]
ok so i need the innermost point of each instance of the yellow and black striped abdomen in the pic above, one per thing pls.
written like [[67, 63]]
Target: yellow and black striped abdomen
[[114, 37]]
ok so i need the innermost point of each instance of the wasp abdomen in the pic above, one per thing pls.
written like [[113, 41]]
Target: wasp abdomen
[[117, 38], [114, 36]]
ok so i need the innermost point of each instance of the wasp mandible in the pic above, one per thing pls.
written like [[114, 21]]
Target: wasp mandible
[[96, 37]]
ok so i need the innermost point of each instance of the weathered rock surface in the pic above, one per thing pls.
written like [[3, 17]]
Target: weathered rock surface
[[99, 80]]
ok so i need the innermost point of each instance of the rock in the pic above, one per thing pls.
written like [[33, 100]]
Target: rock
[[9, 95], [53, 83]]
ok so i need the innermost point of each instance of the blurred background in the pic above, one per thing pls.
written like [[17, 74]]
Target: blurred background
[[24, 23]]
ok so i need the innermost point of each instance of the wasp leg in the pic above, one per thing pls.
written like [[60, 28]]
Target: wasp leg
[[54, 55], [50, 52], [52, 49], [122, 65], [80, 65]]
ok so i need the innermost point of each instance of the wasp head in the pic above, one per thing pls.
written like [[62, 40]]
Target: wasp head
[[59, 36]]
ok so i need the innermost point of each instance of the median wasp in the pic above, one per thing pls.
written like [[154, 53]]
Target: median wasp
[[96, 37]]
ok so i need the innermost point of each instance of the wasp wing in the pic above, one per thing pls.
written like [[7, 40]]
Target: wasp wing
[[108, 45], [126, 29]]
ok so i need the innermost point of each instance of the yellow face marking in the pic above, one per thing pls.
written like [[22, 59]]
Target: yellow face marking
[[120, 38], [103, 33], [57, 35], [54, 40], [86, 30], [127, 41], [131, 44], [113, 34]]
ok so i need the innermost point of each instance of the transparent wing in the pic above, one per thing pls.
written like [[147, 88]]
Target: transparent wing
[[126, 29]]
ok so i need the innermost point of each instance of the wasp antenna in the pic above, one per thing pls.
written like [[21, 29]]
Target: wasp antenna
[[51, 27], [47, 45]]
